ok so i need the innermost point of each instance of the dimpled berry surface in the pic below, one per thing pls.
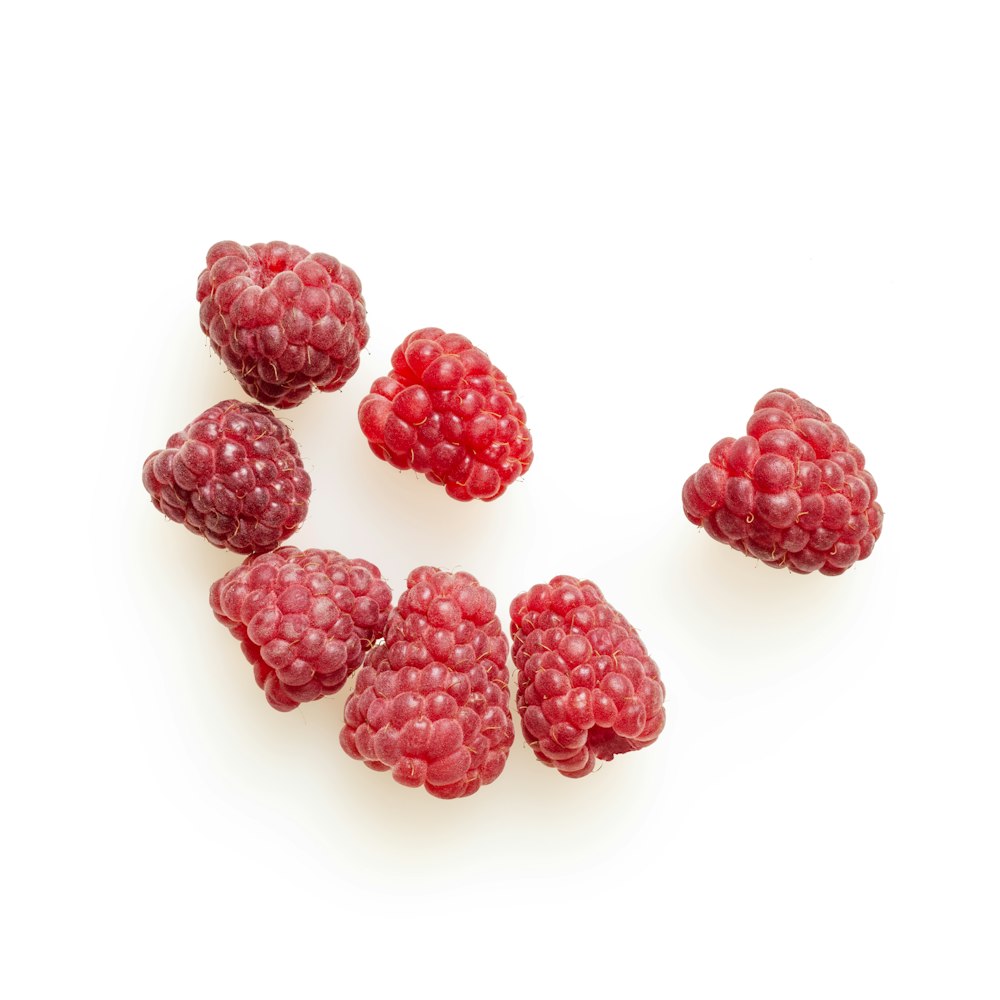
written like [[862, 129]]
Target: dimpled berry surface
[[304, 619], [793, 492], [447, 412], [233, 475], [431, 704], [587, 689], [283, 320]]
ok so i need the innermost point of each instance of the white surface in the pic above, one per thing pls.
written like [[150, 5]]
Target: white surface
[[649, 216]]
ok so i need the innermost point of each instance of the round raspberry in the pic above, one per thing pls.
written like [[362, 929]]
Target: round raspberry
[[304, 619], [445, 411], [587, 689], [233, 475], [284, 321], [432, 704], [792, 492]]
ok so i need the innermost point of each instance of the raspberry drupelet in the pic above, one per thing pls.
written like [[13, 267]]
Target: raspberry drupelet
[[587, 689], [233, 475], [305, 619], [792, 492], [447, 412], [432, 704], [283, 320]]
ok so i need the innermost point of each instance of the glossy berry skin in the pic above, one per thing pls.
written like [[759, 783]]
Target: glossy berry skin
[[793, 491], [432, 704], [233, 475], [445, 411], [587, 689], [304, 619], [283, 320]]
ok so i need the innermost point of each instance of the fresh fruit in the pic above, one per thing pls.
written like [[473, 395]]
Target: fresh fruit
[[304, 619], [432, 703], [587, 689], [793, 491], [446, 411], [234, 475], [284, 321]]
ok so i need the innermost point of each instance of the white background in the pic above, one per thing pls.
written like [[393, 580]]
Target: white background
[[648, 215]]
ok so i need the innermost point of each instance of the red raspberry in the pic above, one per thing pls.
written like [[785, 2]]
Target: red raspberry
[[792, 492], [233, 475], [284, 321], [586, 687], [433, 704], [305, 619], [447, 412]]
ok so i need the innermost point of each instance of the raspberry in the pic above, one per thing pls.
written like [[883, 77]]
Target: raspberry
[[587, 689], [233, 475], [445, 411], [284, 321], [793, 491], [432, 703], [304, 618]]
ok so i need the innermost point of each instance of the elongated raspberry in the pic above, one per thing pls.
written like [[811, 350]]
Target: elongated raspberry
[[432, 704], [304, 619], [445, 411], [792, 492], [284, 321], [233, 475], [587, 689]]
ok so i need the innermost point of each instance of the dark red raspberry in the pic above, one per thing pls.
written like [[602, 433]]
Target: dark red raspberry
[[587, 689], [233, 475], [793, 491], [445, 411], [432, 704], [284, 321], [305, 619]]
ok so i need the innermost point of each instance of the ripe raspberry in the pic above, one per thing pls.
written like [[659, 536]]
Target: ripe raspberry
[[447, 412], [586, 687], [432, 704], [233, 475], [305, 619], [792, 492], [284, 321]]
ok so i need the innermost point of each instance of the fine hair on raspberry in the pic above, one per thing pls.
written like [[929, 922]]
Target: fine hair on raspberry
[[304, 619], [234, 476], [447, 412], [432, 704], [283, 320], [587, 689], [793, 492]]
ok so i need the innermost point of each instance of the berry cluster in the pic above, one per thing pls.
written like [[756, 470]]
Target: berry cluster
[[431, 703]]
